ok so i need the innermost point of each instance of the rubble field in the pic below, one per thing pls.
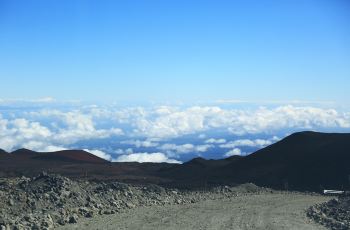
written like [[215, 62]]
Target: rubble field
[[48, 201]]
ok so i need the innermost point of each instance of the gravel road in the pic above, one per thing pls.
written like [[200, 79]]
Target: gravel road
[[264, 211]]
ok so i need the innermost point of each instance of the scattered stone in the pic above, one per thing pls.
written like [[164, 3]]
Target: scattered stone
[[130, 205], [73, 219], [11, 202], [334, 214], [107, 212], [89, 214], [48, 222], [46, 201]]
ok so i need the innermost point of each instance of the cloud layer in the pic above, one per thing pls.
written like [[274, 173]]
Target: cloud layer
[[234, 152], [146, 157], [155, 128]]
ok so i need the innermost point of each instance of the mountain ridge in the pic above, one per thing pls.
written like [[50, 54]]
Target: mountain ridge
[[63, 155], [301, 161]]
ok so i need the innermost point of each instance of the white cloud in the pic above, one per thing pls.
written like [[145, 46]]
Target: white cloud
[[146, 127], [176, 122], [26, 101], [119, 151], [124, 151], [138, 143], [100, 154], [20, 131], [129, 150], [75, 126], [234, 152], [7, 143], [41, 146], [64, 128], [202, 148], [258, 143], [274, 102], [215, 141], [29, 130], [52, 148], [287, 117], [146, 157], [167, 122], [44, 99], [185, 148]]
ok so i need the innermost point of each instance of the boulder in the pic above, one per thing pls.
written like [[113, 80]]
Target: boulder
[[73, 219]]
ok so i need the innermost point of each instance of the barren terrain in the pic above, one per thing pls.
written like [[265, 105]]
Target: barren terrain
[[259, 211], [74, 189]]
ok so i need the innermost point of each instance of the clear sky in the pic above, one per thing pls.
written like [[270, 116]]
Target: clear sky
[[175, 50]]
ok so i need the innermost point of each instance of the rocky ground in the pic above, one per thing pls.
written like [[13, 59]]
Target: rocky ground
[[265, 211], [49, 201], [335, 214]]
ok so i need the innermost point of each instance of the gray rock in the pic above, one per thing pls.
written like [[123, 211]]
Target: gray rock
[[89, 214], [130, 205], [73, 219], [85, 211], [107, 212], [48, 222], [18, 227], [36, 226], [2, 221], [11, 202], [29, 218]]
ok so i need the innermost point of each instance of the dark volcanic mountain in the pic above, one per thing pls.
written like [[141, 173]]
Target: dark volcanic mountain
[[197, 171], [3, 153], [306, 160], [23, 153]]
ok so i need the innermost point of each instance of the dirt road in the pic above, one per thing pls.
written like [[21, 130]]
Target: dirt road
[[268, 211]]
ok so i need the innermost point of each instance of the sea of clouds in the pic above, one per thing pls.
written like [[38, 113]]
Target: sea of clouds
[[157, 133]]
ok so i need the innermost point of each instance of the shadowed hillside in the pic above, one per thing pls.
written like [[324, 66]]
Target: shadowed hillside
[[3, 153], [306, 160]]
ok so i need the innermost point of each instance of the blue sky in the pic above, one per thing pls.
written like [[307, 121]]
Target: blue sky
[[166, 81], [175, 50]]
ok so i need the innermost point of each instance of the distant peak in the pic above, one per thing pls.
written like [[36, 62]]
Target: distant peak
[[22, 150], [3, 151], [197, 159], [314, 134], [234, 157], [308, 133]]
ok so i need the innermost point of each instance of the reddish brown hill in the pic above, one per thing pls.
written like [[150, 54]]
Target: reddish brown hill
[[77, 164], [70, 156]]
